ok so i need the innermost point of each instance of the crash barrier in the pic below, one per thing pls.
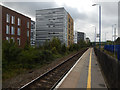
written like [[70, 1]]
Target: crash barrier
[[110, 67], [113, 48]]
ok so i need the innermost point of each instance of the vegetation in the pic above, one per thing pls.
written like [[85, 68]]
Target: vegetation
[[17, 60]]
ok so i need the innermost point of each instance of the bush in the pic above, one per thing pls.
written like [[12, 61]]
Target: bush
[[54, 51], [63, 49], [15, 58], [55, 43]]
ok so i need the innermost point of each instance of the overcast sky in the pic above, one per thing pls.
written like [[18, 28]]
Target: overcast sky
[[84, 14]]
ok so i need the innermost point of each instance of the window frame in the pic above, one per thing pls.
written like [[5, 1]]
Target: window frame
[[12, 19], [28, 24], [28, 33], [18, 21], [7, 29], [13, 39], [12, 30], [8, 18], [18, 31], [18, 42]]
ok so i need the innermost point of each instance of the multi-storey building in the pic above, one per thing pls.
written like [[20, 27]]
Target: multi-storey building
[[87, 40], [80, 36], [15, 26], [55, 22], [32, 35]]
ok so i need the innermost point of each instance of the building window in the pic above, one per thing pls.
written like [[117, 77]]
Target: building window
[[7, 29], [13, 39], [13, 19], [19, 22], [27, 24], [12, 30], [69, 19], [69, 25], [68, 42], [27, 33], [18, 41], [69, 31], [68, 37], [18, 31], [7, 38], [7, 18]]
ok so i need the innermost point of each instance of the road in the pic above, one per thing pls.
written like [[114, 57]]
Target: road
[[86, 73]]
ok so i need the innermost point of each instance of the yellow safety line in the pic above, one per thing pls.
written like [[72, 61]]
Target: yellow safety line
[[89, 73]]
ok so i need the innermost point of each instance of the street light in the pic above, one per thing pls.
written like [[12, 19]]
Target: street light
[[95, 36], [105, 38], [114, 35], [99, 24]]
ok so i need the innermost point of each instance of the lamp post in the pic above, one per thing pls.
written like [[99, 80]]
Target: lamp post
[[99, 24], [105, 38], [95, 36], [114, 30]]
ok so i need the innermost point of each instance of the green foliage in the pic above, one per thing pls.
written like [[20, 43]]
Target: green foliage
[[82, 43], [63, 49], [54, 50], [55, 42], [46, 45], [15, 58]]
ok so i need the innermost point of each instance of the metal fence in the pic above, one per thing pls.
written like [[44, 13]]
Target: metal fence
[[113, 48]]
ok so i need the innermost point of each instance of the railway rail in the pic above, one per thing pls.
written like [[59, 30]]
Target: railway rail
[[51, 78]]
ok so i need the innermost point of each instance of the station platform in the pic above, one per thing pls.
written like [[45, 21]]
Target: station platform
[[86, 73]]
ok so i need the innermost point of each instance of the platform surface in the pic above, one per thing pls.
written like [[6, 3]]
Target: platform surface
[[86, 73]]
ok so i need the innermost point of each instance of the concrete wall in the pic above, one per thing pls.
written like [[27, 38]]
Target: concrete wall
[[110, 68]]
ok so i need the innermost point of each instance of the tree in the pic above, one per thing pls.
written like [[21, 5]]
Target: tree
[[63, 48], [55, 43]]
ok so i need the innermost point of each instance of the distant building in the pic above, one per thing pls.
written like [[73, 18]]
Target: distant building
[[32, 36], [80, 36], [15, 26], [55, 22], [117, 41], [87, 40]]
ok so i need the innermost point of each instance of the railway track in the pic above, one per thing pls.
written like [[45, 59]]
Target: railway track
[[51, 78]]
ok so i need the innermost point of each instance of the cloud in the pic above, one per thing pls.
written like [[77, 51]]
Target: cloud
[[29, 8], [84, 21]]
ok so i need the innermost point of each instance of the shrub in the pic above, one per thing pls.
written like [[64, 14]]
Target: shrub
[[63, 49], [54, 51]]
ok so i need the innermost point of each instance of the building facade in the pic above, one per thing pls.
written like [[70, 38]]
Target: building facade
[[32, 35], [80, 36], [55, 22], [87, 40], [15, 26]]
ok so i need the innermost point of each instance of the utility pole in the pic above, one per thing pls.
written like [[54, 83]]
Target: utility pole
[[99, 24], [95, 36], [114, 37]]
